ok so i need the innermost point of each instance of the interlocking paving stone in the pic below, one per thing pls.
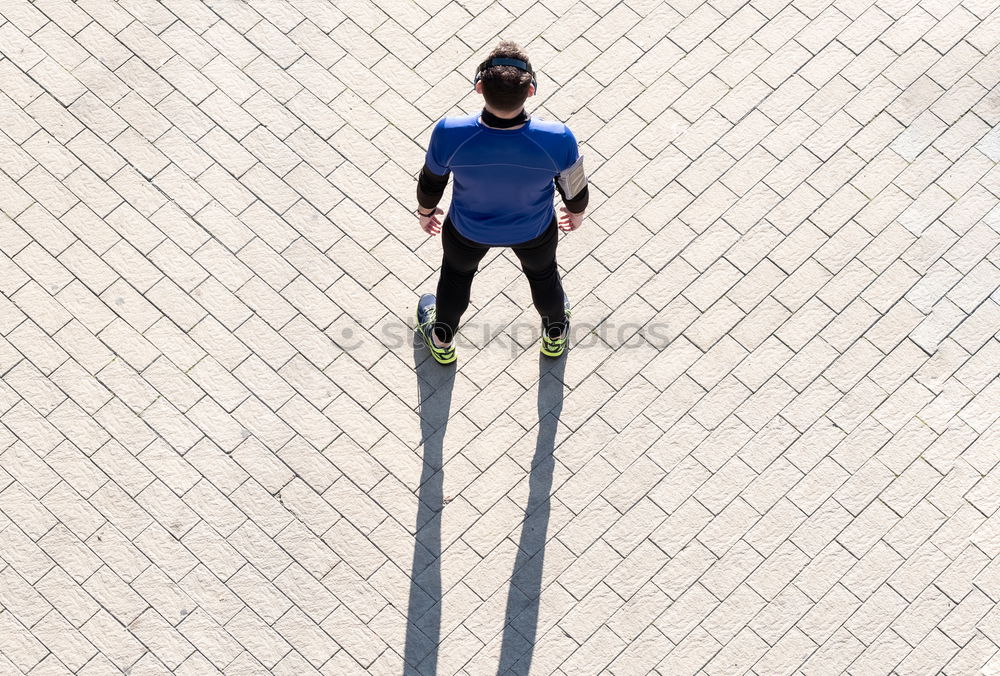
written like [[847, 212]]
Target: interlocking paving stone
[[773, 447]]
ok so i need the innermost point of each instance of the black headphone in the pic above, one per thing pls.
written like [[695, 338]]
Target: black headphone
[[500, 61]]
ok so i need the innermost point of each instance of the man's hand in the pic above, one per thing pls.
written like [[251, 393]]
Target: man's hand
[[570, 221], [429, 220]]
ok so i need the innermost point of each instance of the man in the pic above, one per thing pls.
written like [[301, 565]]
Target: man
[[506, 165]]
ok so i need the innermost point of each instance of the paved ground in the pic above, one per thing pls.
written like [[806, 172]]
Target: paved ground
[[772, 449]]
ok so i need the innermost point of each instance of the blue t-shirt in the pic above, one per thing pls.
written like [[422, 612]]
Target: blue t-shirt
[[503, 178]]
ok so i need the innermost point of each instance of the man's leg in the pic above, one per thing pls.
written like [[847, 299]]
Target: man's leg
[[458, 267], [538, 261]]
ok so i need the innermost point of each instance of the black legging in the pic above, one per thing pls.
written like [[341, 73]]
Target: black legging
[[461, 261]]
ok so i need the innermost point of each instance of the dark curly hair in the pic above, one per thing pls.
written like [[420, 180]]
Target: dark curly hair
[[505, 88]]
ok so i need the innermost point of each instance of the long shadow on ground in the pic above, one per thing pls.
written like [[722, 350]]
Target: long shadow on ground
[[423, 626], [521, 622]]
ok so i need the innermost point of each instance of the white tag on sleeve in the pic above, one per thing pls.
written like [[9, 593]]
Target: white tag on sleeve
[[573, 179]]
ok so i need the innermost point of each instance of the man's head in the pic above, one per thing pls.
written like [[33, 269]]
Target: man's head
[[505, 88]]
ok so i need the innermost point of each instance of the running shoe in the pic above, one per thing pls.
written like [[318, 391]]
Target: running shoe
[[426, 316], [554, 347]]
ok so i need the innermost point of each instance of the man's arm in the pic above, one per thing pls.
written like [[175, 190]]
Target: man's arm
[[573, 208], [572, 180], [432, 181], [430, 188], [572, 185], [578, 204]]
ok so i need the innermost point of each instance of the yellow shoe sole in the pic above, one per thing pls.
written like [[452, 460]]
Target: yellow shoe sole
[[441, 355]]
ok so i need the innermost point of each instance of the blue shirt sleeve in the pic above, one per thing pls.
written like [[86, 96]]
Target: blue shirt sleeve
[[436, 159], [572, 149]]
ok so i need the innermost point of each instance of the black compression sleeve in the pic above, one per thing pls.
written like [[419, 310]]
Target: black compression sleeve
[[430, 188], [579, 202]]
